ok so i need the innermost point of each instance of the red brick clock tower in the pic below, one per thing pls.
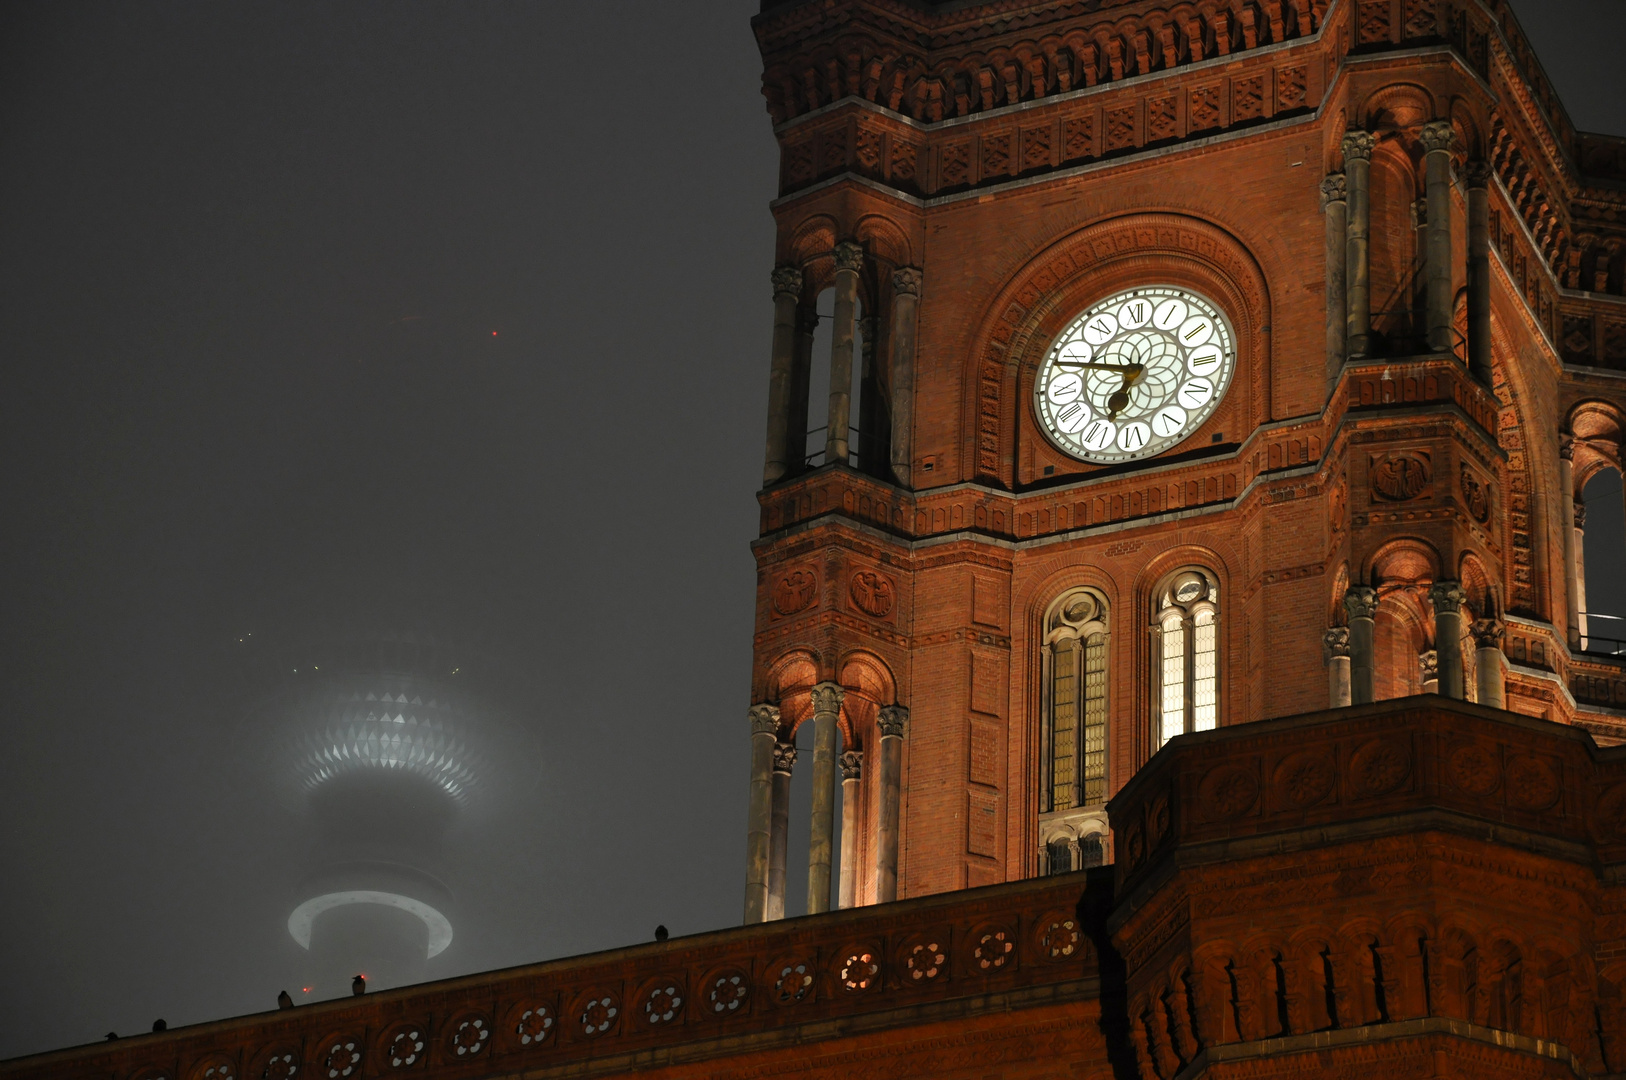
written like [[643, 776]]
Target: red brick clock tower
[[1186, 366]]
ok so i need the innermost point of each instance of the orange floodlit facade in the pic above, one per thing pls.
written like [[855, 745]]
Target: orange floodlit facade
[[1170, 532]]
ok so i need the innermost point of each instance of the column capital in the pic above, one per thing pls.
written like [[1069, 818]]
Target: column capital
[[906, 280], [1477, 174], [892, 720], [1487, 633], [1361, 602], [1447, 597], [787, 281], [1428, 663], [827, 698], [1335, 643], [764, 719], [849, 256], [1580, 513], [1566, 446], [1358, 145], [1334, 188], [784, 757], [852, 765], [1439, 137]]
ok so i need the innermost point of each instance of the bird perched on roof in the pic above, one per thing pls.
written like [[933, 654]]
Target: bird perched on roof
[[159, 1025], [111, 1035], [660, 932], [284, 1001], [358, 985]]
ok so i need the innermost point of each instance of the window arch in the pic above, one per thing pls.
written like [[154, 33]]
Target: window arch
[[1185, 661], [1075, 698], [1073, 787]]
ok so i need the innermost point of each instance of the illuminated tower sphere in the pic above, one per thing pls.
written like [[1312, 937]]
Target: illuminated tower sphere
[[384, 743]]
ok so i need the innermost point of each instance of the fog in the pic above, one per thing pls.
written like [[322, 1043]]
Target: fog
[[318, 317]]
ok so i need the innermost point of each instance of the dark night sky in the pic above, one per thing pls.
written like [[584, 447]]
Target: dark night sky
[[251, 262]]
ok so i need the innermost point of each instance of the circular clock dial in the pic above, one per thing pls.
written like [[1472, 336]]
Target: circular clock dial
[[1135, 374]]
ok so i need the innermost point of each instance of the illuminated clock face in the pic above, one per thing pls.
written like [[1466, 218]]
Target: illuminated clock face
[[1135, 374]]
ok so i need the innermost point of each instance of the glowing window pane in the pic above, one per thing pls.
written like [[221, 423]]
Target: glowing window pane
[[1095, 719], [1063, 725], [1173, 697], [1205, 672]]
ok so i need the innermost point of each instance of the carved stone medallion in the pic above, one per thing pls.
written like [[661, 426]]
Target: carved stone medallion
[[1379, 767], [1400, 475], [1305, 778], [1475, 496], [1474, 769], [795, 592], [871, 593], [1229, 791], [1531, 783]]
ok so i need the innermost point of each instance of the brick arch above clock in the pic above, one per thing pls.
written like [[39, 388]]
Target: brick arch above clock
[[1063, 280]]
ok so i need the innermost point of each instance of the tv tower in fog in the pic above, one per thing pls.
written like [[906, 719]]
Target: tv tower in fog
[[386, 748]]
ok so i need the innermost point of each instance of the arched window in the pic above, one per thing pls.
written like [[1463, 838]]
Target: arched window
[[1073, 787], [1185, 618]]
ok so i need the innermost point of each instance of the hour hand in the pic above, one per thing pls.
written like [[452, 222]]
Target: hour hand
[[1126, 368]]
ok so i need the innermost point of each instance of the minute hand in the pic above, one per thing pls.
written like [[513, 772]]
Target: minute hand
[[1126, 368]]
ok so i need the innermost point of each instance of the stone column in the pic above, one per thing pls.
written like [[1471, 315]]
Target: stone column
[[1488, 656], [764, 728], [784, 760], [1566, 509], [849, 260], [852, 773], [787, 293], [892, 722], [1361, 605], [1335, 206], [1428, 666], [1438, 139], [801, 379], [1578, 544], [1335, 650], [1479, 340], [1357, 282], [1447, 597], [826, 708], [906, 282]]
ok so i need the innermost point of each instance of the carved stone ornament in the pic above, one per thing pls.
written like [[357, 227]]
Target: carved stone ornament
[[795, 592], [1358, 145], [1428, 665], [1439, 136], [1475, 496], [1580, 514], [1400, 475], [827, 698], [1379, 767], [1334, 643], [1566, 446], [1361, 602], [1229, 791], [787, 281], [852, 765], [1447, 597], [907, 280], [1531, 783], [871, 593], [1477, 174], [1304, 778], [1487, 633], [1474, 769], [849, 256], [784, 757], [892, 720], [764, 719], [1333, 189]]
